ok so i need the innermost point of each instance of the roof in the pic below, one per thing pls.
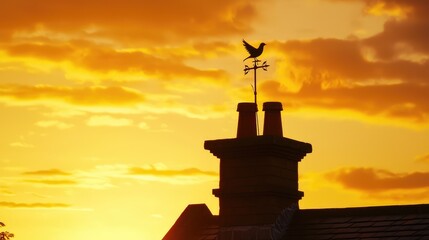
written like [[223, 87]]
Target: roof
[[385, 222], [370, 223], [195, 222]]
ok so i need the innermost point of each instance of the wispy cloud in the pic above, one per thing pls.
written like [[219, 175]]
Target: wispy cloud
[[91, 62], [165, 172], [50, 177], [33, 205], [54, 123], [53, 181], [108, 176], [109, 60], [101, 99], [21, 144], [49, 172], [84, 96], [6, 191], [106, 120], [143, 125], [176, 176]]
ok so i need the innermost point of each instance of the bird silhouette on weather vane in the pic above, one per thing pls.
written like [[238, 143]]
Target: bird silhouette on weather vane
[[254, 53]]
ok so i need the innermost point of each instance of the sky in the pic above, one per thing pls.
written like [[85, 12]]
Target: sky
[[105, 106]]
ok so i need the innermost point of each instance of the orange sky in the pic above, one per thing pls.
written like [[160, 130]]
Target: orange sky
[[105, 106]]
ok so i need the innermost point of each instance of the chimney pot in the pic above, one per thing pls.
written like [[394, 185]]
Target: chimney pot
[[273, 119], [246, 119]]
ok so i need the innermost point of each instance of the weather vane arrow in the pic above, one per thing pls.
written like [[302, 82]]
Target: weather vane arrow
[[254, 53]]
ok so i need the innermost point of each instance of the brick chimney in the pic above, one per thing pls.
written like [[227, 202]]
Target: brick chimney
[[258, 174]]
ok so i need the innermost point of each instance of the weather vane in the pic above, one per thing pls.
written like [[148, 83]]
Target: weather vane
[[254, 53]]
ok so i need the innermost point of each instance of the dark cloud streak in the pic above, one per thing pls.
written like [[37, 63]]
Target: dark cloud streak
[[372, 180]]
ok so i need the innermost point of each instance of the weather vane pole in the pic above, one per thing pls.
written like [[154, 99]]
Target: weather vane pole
[[254, 53]]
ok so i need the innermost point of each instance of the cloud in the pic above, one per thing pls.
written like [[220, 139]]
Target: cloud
[[64, 113], [53, 181], [404, 32], [53, 52], [110, 176], [54, 123], [49, 172], [21, 145], [143, 125], [381, 76], [155, 173], [6, 192], [106, 60], [106, 120], [352, 64], [214, 49], [84, 96], [423, 158], [370, 180], [53, 177], [402, 196], [318, 75], [393, 8], [171, 173], [105, 42], [157, 216], [130, 20], [403, 35], [89, 61], [102, 99], [33, 205], [90, 179], [400, 102]]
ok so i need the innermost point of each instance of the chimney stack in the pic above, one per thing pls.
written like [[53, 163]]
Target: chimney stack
[[258, 174]]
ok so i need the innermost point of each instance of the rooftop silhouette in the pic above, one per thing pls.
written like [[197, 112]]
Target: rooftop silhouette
[[259, 194]]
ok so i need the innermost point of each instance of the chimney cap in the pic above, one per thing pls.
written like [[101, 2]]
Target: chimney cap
[[247, 107], [272, 106]]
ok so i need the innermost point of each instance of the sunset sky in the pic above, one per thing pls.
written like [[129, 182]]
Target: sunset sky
[[105, 106]]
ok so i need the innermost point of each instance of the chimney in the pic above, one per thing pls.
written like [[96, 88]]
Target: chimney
[[258, 174], [273, 119], [246, 119]]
